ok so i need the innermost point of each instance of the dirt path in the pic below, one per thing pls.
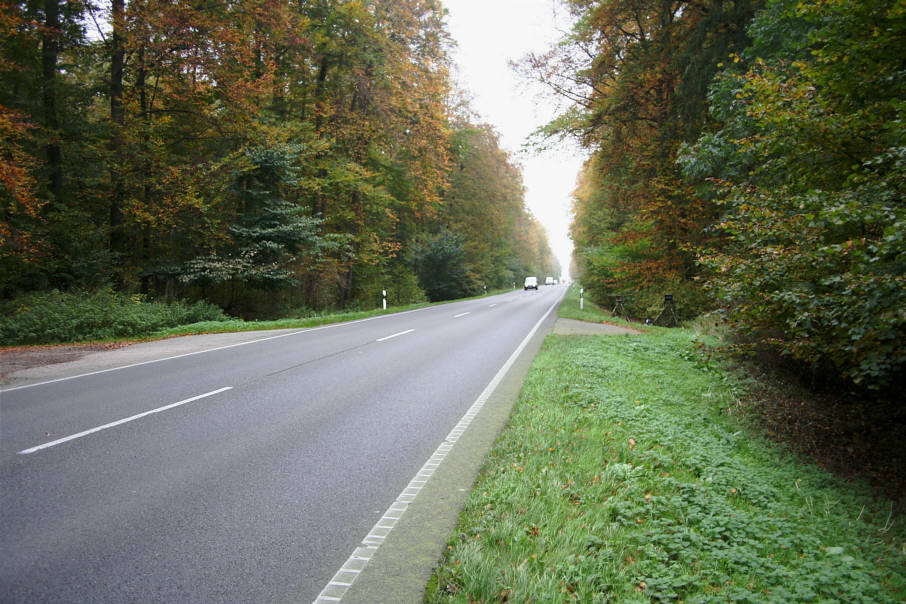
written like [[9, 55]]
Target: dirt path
[[16, 358], [572, 327]]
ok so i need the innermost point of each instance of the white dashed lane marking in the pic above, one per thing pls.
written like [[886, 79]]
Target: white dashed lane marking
[[122, 421], [394, 335]]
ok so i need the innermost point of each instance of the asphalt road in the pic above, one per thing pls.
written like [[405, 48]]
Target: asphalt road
[[244, 473]]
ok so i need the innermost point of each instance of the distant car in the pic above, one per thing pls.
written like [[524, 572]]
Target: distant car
[[531, 283], [549, 281]]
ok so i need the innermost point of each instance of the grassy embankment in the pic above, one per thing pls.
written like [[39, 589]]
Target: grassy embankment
[[627, 475]]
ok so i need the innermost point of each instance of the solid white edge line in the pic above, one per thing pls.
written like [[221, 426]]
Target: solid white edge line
[[333, 592], [122, 421], [188, 354], [401, 333]]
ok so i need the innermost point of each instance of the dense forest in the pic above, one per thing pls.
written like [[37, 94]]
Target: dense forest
[[749, 158], [746, 156], [262, 155]]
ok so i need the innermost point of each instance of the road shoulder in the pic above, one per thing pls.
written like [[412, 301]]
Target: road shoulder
[[572, 327], [29, 365]]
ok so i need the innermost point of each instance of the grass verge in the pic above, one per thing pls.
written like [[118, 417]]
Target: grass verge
[[625, 475], [234, 325], [588, 311], [314, 320], [105, 316]]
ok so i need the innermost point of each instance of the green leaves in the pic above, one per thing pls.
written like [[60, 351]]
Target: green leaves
[[440, 264], [271, 232], [55, 317], [636, 75], [809, 173]]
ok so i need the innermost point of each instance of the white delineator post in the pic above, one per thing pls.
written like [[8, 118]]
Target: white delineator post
[[384, 294], [581, 298]]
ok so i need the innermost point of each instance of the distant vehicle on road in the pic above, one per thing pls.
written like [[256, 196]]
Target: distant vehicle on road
[[531, 283], [549, 281]]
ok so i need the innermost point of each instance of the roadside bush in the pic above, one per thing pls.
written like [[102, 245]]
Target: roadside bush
[[55, 317]]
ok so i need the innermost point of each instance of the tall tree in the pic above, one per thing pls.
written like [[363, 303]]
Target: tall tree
[[172, 120], [808, 153], [118, 122], [636, 74], [51, 35], [20, 206], [267, 238], [484, 204]]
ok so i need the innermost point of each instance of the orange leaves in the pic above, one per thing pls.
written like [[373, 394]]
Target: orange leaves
[[634, 216], [16, 165], [19, 203]]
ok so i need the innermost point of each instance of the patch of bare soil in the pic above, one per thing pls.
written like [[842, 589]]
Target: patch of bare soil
[[16, 358], [572, 327], [855, 435]]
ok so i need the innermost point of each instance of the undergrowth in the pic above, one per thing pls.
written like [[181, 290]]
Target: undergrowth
[[626, 476], [57, 317]]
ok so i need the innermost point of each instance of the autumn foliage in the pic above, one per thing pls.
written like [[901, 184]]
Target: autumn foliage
[[746, 156], [637, 73], [262, 155], [807, 166]]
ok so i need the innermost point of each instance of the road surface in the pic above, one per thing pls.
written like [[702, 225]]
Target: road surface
[[247, 472]]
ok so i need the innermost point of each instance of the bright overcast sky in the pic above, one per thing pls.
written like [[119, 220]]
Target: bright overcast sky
[[489, 34]]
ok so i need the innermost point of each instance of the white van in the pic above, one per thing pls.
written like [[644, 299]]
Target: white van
[[531, 283]]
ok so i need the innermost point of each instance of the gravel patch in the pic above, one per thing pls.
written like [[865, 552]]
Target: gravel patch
[[572, 327]]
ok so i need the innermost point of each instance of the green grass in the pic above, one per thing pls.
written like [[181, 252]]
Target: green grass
[[233, 325], [314, 320], [105, 316], [570, 309], [625, 476]]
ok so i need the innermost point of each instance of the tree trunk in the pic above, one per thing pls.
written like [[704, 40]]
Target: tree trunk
[[118, 119], [144, 110], [50, 50]]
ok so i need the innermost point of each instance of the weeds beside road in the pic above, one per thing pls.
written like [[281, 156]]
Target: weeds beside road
[[625, 475]]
